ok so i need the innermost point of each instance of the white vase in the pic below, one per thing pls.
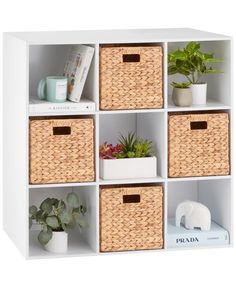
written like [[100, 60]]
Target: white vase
[[58, 243], [128, 168], [199, 93]]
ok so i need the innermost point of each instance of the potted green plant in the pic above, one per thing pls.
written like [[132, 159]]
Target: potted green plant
[[182, 94], [56, 217], [193, 64], [130, 158]]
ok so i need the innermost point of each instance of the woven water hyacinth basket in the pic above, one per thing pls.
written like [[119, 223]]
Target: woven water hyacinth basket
[[199, 144], [130, 77], [131, 218], [61, 150]]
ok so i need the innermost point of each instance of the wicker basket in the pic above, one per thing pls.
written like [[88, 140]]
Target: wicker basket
[[131, 218], [130, 77], [198, 144], [61, 150]]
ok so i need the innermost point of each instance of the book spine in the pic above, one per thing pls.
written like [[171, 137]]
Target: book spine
[[81, 78], [82, 107]]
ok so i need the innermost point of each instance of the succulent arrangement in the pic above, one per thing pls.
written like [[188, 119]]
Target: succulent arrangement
[[57, 215], [192, 63], [129, 146]]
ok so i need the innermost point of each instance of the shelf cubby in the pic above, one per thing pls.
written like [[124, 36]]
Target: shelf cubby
[[218, 85], [214, 193], [85, 243], [47, 60], [145, 125]]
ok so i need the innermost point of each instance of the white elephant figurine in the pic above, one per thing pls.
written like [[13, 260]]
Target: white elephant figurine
[[196, 215]]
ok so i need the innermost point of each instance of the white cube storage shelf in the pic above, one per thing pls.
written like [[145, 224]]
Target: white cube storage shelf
[[35, 55]]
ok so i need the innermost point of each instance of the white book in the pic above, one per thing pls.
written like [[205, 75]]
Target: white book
[[37, 106], [76, 69], [178, 237]]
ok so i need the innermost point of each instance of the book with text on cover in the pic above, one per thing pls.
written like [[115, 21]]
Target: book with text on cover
[[76, 69], [182, 237], [38, 106]]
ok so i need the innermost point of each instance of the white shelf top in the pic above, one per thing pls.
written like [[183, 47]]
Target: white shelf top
[[117, 36], [201, 178], [35, 186], [157, 179], [210, 105], [76, 247]]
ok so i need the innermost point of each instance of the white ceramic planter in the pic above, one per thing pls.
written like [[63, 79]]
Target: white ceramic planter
[[58, 243], [128, 168], [199, 93]]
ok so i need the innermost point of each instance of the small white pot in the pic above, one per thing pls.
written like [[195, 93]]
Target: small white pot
[[128, 168], [182, 97], [58, 243], [199, 93]]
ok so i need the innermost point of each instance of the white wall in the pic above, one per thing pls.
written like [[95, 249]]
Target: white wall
[[200, 268]]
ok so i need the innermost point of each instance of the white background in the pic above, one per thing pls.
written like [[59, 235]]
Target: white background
[[199, 268]]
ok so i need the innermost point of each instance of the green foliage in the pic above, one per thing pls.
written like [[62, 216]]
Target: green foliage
[[191, 62], [134, 147], [180, 85], [72, 200], [57, 215]]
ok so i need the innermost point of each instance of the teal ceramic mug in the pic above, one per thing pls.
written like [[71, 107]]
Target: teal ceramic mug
[[53, 89]]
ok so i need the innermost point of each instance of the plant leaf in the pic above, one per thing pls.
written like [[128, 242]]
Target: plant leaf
[[54, 201], [53, 222], [44, 237], [131, 154], [192, 46], [72, 200], [65, 217], [172, 69], [82, 223], [33, 210], [213, 71], [39, 216], [64, 227], [213, 60], [180, 85], [178, 55], [60, 206], [46, 206], [83, 209]]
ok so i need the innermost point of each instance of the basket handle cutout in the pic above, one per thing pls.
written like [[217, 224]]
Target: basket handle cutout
[[131, 57], [198, 125], [64, 130], [135, 198]]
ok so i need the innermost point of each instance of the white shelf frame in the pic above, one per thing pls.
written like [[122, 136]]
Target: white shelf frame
[[16, 188]]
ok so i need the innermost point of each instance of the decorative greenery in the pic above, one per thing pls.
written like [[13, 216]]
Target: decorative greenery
[[183, 85], [108, 151], [128, 147], [191, 62], [57, 215]]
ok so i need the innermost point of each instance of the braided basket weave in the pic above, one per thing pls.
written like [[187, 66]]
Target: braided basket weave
[[198, 144], [131, 218], [130, 77], [61, 150]]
